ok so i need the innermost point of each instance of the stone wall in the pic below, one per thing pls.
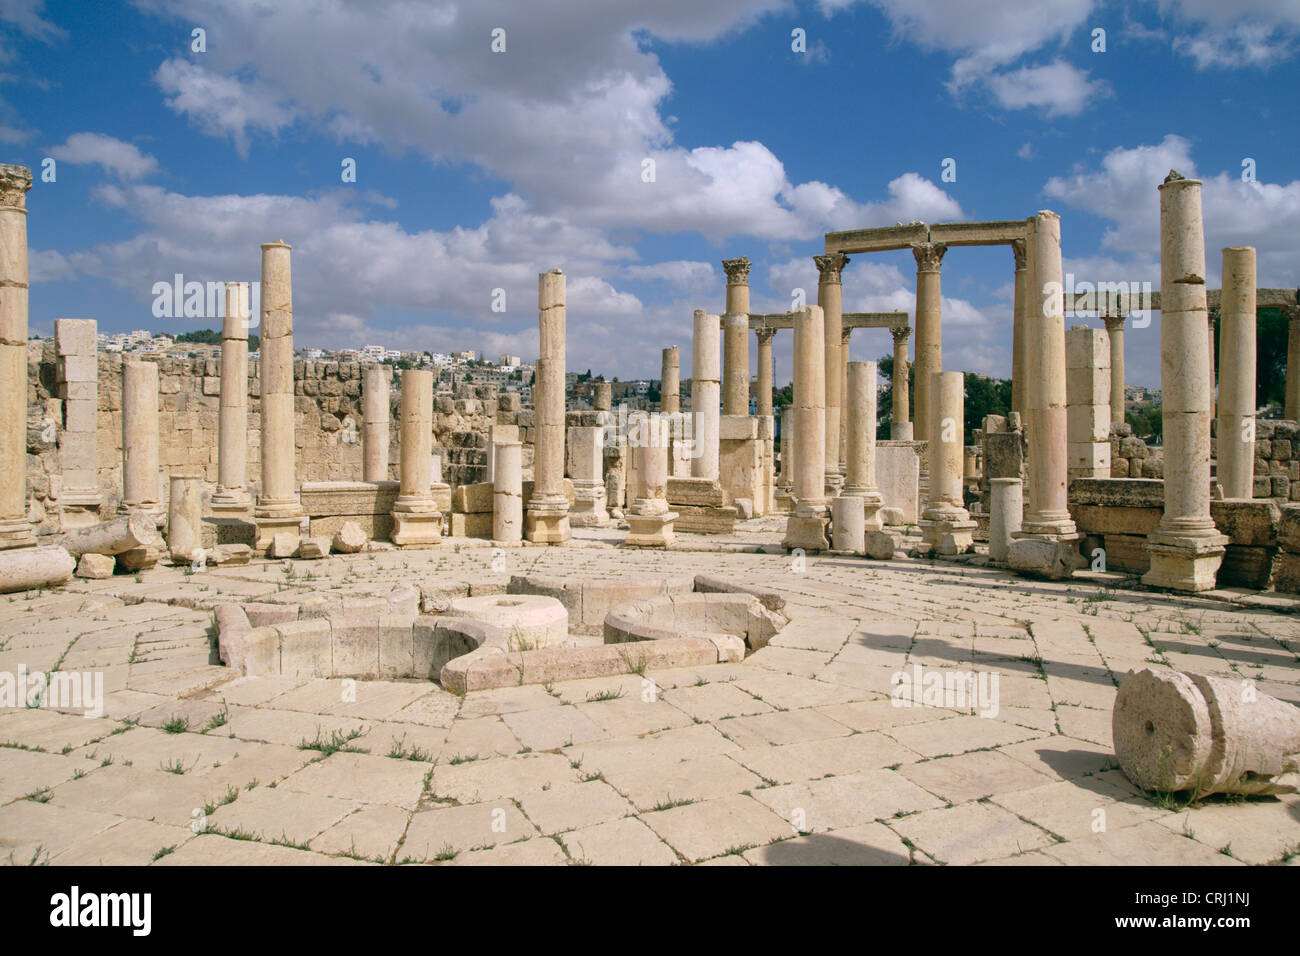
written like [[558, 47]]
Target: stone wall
[[328, 425]]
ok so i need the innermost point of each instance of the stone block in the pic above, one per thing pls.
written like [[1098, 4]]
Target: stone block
[[96, 566], [1246, 521], [737, 428], [898, 476], [305, 648], [355, 644]]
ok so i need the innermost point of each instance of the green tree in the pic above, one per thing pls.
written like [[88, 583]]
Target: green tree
[[1148, 423]]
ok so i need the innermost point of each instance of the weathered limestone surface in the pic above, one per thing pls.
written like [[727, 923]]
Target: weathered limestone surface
[[705, 413], [140, 438], [806, 528], [417, 522], [670, 382], [649, 520], [848, 528], [585, 454], [508, 494], [377, 411], [1006, 513], [929, 333], [830, 294], [946, 525], [125, 533], [898, 475], [184, 518], [15, 530], [735, 318], [80, 497], [1087, 392], [1236, 423], [232, 496], [547, 518], [860, 426], [901, 429], [25, 569]]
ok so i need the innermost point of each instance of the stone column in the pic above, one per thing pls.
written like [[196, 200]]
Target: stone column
[[860, 456], [806, 528], [848, 528], [929, 332], [507, 493], [650, 523], [1211, 317], [704, 396], [901, 429], [1185, 548], [15, 530], [278, 509], [585, 451], [417, 522], [1049, 516], [844, 391], [1115, 332], [547, 518], [830, 298], [602, 399], [231, 496], [946, 525], [785, 482], [1019, 385], [1087, 394], [78, 374], [375, 413], [765, 370], [735, 357], [1292, 404], [1006, 510], [670, 382], [140, 438], [1236, 425], [184, 518]]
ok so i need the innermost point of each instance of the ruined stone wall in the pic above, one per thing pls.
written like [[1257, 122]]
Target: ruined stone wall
[[327, 424]]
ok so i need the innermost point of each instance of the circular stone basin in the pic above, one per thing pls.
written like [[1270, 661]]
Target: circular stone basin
[[531, 620]]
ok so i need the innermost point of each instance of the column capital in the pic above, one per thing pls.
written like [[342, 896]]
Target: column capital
[[830, 266], [15, 181], [845, 332], [901, 334], [928, 255], [1020, 252], [764, 335], [737, 270], [1212, 314], [1114, 323]]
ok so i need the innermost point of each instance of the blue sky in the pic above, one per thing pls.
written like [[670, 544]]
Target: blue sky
[[476, 169]]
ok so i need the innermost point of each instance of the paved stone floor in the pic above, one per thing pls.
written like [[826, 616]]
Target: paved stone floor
[[795, 756]]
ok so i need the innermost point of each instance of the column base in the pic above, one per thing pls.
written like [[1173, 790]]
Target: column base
[[947, 533], [834, 486], [783, 499], [231, 502], [650, 530], [546, 521], [16, 533], [1048, 529], [806, 529], [417, 523], [872, 502], [1184, 563], [900, 431], [274, 516], [588, 510], [80, 509]]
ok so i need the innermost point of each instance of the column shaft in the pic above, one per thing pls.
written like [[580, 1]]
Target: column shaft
[[1115, 331], [704, 396], [232, 413], [735, 379], [1236, 424], [375, 414], [15, 530], [830, 297], [1019, 305], [670, 382], [901, 429], [765, 371], [140, 437], [929, 332], [547, 519]]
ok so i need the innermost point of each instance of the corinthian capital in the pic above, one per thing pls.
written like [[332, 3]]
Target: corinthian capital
[[830, 266], [901, 334], [14, 183], [737, 270], [928, 255], [1018, 250]]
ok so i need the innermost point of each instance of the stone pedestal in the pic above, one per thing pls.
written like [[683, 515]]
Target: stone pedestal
[[140, 490], [705, 413], [650, 522], [860, 460], [806, 528], [1087, 393], [184, 518], [376, 424], [946, 526], [78, 382], [1006, 511], [231, 498], [15, 530], [278, 510], [1236, 424], [547, 517], [507, 494], [848, 532], [417, 522], [585, 450], [1185, 549]]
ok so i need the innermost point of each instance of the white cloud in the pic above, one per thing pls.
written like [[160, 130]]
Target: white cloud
[[48, 265], [221, 105], [1058, 88], [1244, 33], [121, 159]]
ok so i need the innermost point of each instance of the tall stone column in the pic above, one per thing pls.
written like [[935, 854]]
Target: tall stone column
[[417, 522], [375, 413], [1049, 514], [765, 370], [946, 525], [735, 377], [231, 496], [507, 493], [1019, 385], [704, 396], [1236, 425], [547, 518], [785, 482], [860, 456], [1087, 393], [830, 298], [901, 429], [15, 530], [1185, 548], [1212, 317], [278, 509], [806, 528], [140, 438], [78, 374], [670, 382], [1292, 396], [1115, 332], [929, 332], [844, 395]]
